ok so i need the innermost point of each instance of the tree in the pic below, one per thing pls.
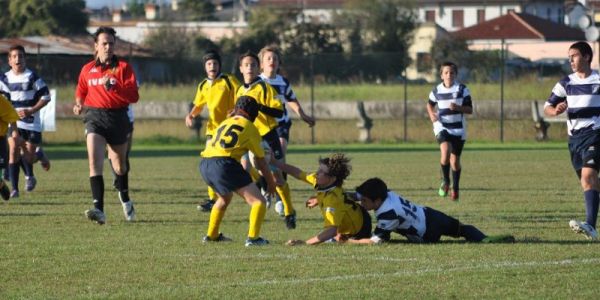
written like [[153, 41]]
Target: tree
[[136, 8], [199, 10], [170, 42], [43, 17], [383, 25]]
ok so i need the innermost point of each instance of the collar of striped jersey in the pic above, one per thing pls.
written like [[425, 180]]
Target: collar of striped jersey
[[326, 189], [114, 61], [254, 81]]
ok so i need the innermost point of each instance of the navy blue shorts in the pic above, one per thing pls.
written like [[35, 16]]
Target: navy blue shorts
[[112, 124], [224, 174], [365, 230], [437, 224], [33, 137], [584, 147], [283, 130], [273, 140], [455, 141]]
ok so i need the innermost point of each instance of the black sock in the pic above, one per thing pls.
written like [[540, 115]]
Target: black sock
[[455, 179], [446, 174], [27, 168], [97, 184], [13, 174], [471, 233], [123, 187], [591, 206]]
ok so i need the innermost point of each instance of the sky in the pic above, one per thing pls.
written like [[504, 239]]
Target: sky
[[109, 3]]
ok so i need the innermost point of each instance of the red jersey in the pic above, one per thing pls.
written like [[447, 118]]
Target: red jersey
[[121, 92]]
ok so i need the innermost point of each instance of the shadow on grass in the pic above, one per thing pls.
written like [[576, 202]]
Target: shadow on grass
[[526, 240]]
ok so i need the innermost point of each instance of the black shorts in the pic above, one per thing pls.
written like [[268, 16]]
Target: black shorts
[[437, 224], [112, 124], [584, 147], [456, 142], [283, 130], [224, 174], [33, 137], [365, 230], [273, 140], [3, 152]]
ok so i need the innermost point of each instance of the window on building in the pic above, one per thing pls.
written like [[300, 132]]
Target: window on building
[[430, 16], [458, 18], [480, 16], [424, 62]]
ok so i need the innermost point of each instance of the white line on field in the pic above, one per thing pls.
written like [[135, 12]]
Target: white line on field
[[441, 270]]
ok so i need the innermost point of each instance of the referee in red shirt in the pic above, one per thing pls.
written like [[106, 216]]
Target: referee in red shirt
[[106, 87]]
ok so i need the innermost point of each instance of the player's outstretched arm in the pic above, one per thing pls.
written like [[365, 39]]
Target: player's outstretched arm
[[291, 170], [325, 235]]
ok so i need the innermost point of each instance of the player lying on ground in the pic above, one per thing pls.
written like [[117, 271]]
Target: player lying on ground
[[417, 223]]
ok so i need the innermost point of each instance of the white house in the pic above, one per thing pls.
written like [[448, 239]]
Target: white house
[[454, 15]]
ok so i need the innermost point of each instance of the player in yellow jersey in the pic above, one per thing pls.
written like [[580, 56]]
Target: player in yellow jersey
[[266, 123], [8, 115], [221, 170], [217, 93], [342, 218]]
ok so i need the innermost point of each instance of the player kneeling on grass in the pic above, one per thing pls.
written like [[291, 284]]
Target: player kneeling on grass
[[343, 218], [417, 223], [221, 170]]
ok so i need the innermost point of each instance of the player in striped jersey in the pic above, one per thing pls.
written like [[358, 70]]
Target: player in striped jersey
[[579, 96], [220, 169], [419, 224], [266, 123], [270, 61], [453, 101], [217, 93], [29, 94]]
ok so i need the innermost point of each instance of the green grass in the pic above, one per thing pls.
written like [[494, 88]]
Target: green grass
[[522, 89], [50, 251]]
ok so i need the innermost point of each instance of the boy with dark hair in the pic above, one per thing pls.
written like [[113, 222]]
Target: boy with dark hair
[[29, 94], [343, 218], [578, 95], [221, 170], [453, 101], [417, 223], [217, 93]]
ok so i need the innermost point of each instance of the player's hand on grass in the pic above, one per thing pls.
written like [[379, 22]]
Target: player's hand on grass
[[294, 242], [312, 202]]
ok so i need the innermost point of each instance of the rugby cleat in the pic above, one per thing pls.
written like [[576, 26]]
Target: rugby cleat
[[454, 196], [206, 206], [96, 215], [220, 238], [30, 183], [4, 191], [256, 242], [290, 221], [584, 228], [443, 191], [128, 211], [14, 194]]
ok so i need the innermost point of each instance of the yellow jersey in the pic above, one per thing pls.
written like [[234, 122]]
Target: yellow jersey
[[218, 96], [336, 210], [265, 95], [7, 115], [233, 138]]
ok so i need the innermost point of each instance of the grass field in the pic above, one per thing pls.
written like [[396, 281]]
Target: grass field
[[50, 251]]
